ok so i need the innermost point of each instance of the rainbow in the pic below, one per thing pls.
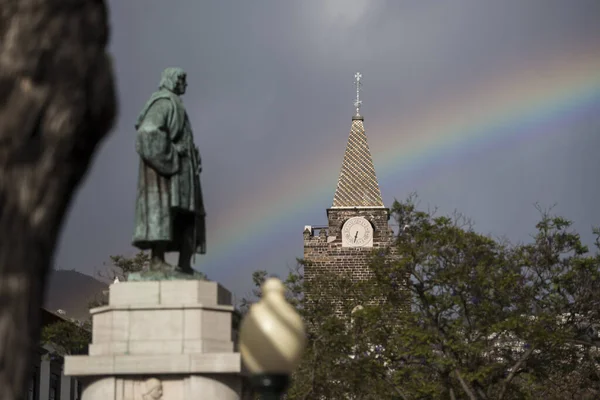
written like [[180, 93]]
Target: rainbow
[[515, 107]]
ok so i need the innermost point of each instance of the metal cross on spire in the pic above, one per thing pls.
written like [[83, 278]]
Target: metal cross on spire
[[358, 84]]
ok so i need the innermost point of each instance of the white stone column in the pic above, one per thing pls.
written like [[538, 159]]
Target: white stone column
[[44, 378], [66, 387]]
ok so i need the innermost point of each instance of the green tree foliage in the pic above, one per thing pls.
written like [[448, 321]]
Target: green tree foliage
[[121, 266], [487, 316], [332, 365], [463, 316], [67, 337]]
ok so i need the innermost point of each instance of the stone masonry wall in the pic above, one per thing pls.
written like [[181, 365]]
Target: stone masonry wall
[[377, 216], [324, 251]]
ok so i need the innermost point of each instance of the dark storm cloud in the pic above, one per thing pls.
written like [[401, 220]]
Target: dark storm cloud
[[271, 85]]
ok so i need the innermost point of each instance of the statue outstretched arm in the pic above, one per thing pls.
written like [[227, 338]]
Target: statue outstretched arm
[[153, 141]]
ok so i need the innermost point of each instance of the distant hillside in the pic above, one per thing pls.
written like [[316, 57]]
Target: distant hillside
[[71, 291]]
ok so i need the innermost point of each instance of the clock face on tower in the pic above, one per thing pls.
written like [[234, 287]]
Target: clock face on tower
[[357, 232]]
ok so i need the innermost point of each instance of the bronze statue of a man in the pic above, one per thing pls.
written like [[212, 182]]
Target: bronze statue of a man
[[169, 212]]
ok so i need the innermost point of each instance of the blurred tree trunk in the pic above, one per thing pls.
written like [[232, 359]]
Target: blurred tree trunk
[[57, 102]]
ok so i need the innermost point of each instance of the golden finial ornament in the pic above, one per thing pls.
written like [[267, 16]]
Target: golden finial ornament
[[272, 339]]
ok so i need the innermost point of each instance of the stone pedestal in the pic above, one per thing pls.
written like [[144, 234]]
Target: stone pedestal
[[161, 340]]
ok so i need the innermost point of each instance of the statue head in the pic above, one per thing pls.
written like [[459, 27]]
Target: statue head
[[153, 390], [174, 80]]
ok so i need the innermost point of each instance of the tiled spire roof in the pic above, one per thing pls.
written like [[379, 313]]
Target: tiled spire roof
[[357, 185]]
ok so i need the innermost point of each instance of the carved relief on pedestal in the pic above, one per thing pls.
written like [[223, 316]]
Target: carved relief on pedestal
[[142, 389], [152, 389]]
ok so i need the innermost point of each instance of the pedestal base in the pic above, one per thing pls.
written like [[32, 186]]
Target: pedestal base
[[170, 337], [221, 387]]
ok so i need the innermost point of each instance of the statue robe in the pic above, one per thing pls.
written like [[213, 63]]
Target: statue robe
[[168, 181]]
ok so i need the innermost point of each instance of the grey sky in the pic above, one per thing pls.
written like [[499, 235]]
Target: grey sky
[[270, 87]]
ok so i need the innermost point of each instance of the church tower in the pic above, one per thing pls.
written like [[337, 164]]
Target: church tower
[[357, 219]]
